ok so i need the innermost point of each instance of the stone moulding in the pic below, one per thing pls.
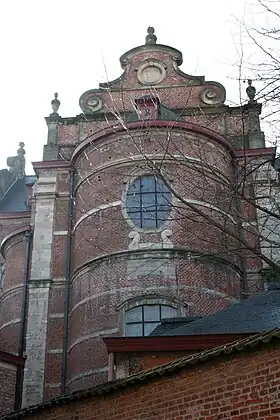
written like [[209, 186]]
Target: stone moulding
[[19, 231], [12, 291], [17, 215], [203, 257], [173, 52], [112, 130], [215, 171], [156, 299]]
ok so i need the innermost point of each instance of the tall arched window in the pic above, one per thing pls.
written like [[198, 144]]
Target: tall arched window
[[142, 320], [148, 202]]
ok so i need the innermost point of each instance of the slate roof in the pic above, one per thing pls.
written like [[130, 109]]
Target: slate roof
[[261, 312], [169, 324], [15, 199], [187, 362]]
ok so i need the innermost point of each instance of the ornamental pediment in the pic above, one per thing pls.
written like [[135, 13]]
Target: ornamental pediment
[[152, 69]]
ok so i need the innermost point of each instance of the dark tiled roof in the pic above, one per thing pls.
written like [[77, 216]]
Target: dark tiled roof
[[138, 379], [15, 199], [261, 312], [169, 324]]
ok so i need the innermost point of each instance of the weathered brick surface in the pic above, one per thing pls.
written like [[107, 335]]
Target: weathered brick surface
[[97, 292], [11, 306], [52, 369], [51, 392], [9, 338], [94, 357], [229, 125], [104, 171], [14, 266], [88, 381], [56, 302], [135, 362], [7, 388], [61, 214], [11, 296], [59, 256], [244, 386], [55, 333]]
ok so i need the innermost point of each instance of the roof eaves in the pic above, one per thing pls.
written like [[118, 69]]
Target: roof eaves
[[237, 346]]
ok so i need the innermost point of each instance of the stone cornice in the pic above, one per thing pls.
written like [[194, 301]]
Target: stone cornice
[[184, 160], [17, 215], [58, 165], [39, 283], [259, 152], [176, 54], [175, 125], [201, 256]]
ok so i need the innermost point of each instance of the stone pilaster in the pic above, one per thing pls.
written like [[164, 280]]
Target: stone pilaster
[[39, 287], [255, 135], [51, 149]]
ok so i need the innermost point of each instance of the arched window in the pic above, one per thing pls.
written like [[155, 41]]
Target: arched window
[[148, 202], [142, 320]]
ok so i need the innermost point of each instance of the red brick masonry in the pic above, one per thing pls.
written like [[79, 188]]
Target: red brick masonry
[[240, 380]]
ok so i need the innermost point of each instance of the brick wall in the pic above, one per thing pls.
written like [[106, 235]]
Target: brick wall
[[102, 278], [101, 281], [130, 363], [7, 387], [11, 295], [242, 386]]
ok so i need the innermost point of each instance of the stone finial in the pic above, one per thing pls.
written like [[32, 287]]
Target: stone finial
[[55, 103], [151, 38], [251, 91], [21, 150]]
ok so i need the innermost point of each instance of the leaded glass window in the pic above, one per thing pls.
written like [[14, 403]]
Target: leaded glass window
[[142, 320], [148, 202]]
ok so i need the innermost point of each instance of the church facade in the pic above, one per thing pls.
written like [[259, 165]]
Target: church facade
[[133, 217]]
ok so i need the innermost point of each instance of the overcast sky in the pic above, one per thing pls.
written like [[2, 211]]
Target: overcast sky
[[65, 46]]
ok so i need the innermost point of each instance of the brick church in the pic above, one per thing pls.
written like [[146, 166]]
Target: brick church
[[131, 222]]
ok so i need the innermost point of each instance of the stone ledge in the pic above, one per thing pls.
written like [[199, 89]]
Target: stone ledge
[[40, 283]]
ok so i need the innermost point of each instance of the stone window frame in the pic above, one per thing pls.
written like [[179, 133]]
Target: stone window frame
[[130, 179], [143, 300], [150, 63]]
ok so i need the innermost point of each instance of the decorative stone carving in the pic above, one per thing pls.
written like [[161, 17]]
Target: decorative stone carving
[[17, 163], [151, 73], [90, 102], [209, 96], [55, 103], [135, 243], [165, 236], [135, 236], [151, 39], [251, 91]]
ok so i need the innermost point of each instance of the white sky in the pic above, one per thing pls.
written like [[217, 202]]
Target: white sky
[[64, 46]]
